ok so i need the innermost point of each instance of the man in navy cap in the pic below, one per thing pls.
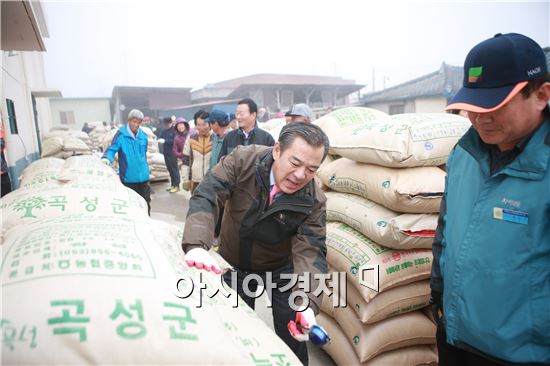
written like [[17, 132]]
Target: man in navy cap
[[491, 271], [219, 122]]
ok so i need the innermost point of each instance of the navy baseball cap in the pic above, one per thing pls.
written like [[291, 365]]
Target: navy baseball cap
[[218, 116], [496, 70]]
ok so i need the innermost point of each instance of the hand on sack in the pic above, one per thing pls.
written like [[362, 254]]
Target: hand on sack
[[105, 161], [304, 320], [200, 258]]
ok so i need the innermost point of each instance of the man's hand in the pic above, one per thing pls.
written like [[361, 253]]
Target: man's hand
[[161, 140], [105, 161], [304, 320], [200, 258], [437, 306]]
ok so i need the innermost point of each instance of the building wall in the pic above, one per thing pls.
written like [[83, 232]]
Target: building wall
[[167, 100], [394, 107], [85, 110], [431, 105], [22, 72]]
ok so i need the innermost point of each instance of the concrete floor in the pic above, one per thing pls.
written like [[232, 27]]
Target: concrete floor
[[172, 208]]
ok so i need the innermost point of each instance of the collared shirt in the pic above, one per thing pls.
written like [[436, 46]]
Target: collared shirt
[[272, 183], [247, 135], [251, 132], [499, 159], [130, 132], [271, 178]]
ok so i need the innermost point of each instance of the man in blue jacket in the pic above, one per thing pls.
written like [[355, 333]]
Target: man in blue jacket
[[130, 142], [491, 271]]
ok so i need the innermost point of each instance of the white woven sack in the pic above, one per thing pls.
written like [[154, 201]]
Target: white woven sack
[[381, 225], [101, 290], [107, 138], [74, 144], [51, 146], [346, 120], [403, 140], [351, 252], [79, 135], [156, 159], [342, 352], [371, 340], [395, 301], [412, 190], [88, 171], [40, 172], [25, 206], [274, 127]]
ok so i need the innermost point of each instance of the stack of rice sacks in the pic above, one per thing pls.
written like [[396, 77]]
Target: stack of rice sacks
[[64, 143], [85, 271], [99, 132], [155, 159], [383, 200]]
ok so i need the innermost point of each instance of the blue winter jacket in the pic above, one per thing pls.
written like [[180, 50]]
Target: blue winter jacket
[[492, 251], [132, 155]]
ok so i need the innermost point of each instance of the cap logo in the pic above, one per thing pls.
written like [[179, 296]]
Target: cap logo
[[474, 75], [534, 71]]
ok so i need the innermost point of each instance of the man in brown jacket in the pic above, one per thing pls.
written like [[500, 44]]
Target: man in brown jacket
[[271, 240]]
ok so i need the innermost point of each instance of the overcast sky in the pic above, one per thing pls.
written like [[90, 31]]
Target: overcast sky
[[95, 45]]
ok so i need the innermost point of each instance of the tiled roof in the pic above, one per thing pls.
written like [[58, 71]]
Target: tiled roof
[[444, 82]]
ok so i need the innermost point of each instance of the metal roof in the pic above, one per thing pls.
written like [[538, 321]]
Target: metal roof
[[283, 79], [341, 90]]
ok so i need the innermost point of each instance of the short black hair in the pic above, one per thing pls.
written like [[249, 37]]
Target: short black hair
[[310, 133], [202, 114], [535, 84], [167, 120], [252, 106]]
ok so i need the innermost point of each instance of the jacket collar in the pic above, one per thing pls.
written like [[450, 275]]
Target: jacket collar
[[533, 161], [263, 168], [128, 132], [240, 131]]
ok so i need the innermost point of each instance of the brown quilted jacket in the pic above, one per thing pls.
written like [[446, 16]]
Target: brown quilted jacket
[[255, 236]]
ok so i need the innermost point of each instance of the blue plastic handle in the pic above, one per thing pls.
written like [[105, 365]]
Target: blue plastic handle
[[318, 336]]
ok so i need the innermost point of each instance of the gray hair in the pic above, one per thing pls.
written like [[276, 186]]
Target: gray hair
[[135, 113], [310, 133]]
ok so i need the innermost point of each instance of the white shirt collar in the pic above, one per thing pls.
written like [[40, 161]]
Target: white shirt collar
[[271, 178]]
